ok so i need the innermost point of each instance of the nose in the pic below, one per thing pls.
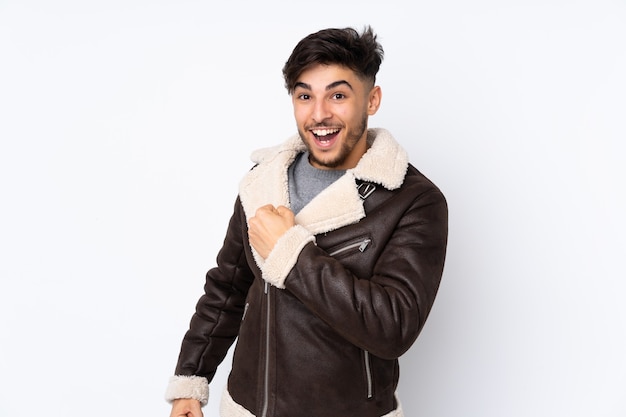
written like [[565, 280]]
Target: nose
[[320, 111]]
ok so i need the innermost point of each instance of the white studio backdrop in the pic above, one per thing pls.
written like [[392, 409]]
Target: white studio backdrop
[[125, 127]]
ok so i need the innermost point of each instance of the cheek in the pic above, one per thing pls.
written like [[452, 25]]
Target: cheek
[[347, 115], [300, 114]]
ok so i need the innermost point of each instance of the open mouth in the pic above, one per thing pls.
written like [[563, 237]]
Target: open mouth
[[325, 136]]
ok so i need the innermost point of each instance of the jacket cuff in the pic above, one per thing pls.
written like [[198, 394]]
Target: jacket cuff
[[182, 386], [285, 254]]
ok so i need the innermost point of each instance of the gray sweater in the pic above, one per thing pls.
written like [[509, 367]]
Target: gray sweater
[[306, 181]]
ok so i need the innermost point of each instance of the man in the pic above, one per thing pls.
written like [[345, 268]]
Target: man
[[331, 261]]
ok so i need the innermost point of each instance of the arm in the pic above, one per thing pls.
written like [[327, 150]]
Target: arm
[[215, 323]]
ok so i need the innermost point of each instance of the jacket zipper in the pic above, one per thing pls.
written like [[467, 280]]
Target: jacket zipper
[[368, 374], [266, 393], [245, 311], [360, 245]]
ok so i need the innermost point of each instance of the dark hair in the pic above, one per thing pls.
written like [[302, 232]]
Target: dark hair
[[359, 52]]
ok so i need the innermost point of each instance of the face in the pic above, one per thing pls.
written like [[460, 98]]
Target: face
[[331, 106]]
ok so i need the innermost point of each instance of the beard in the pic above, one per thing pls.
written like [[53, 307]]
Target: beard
[[352, 138]]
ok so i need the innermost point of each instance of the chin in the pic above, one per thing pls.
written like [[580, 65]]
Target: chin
[[328, 163]]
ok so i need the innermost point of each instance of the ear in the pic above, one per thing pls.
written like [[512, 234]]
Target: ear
[[375, 96]]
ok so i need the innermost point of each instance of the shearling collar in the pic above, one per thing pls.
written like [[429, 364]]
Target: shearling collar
[[385, 163]]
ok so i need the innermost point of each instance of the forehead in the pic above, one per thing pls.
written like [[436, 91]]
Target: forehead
[[321, 76]]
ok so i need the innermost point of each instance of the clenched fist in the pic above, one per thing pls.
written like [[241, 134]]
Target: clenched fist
[[267, 226], [186, 407]]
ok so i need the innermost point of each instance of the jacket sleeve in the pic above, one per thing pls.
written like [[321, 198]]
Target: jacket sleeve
[[384, 312], [215, 324]]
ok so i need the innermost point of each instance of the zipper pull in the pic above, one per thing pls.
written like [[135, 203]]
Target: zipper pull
[[364, 244], [245, 310]]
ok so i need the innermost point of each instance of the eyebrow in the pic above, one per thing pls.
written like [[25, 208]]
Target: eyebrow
[[328, 87]]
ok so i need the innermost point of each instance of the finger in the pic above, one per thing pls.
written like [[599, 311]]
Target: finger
[[264, 209], [285, 212]]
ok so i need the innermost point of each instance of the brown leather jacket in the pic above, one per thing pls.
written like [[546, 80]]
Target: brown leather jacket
[[322, 321]]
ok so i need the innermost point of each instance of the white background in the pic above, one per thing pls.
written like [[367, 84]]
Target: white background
[[126, 125]]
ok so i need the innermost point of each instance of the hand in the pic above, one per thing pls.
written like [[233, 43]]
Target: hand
[[267, 226], [186, 407]]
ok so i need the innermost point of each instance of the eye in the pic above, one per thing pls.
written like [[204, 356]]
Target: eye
[[338, 96], [304, 96]]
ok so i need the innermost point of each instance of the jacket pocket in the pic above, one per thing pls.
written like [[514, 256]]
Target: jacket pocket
[[353, 246]]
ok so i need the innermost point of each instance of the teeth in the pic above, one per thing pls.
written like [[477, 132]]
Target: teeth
[[324, 132]]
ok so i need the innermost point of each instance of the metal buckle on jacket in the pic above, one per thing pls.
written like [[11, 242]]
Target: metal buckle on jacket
[[365, 189]]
